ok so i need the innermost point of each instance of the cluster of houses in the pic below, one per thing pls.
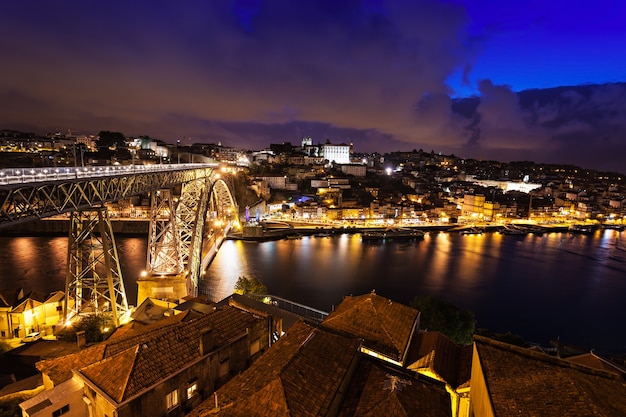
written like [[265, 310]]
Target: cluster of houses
[[368, 357], [323, 181], [22, 313]]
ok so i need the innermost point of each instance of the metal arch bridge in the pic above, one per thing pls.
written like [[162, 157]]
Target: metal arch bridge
[[184, 199]]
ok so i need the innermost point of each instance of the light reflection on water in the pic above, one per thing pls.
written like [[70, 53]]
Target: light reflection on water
[[541, 287]]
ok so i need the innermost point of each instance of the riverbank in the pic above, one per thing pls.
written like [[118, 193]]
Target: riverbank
[[60, 227], [264, 232]]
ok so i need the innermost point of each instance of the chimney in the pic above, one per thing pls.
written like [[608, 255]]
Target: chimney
[[81, 339], [207, 342]]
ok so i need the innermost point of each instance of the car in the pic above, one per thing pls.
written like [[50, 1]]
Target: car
[[31, 337]]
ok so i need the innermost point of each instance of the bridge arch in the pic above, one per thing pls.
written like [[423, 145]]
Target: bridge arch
[[186, 231]]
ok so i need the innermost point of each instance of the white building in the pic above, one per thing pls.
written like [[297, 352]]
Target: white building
[[338, 154]]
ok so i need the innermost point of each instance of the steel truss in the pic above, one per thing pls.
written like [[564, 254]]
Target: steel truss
[[178, 226], [21, 203], [93, 278], [164, 254], [222, 201], [190, 219]]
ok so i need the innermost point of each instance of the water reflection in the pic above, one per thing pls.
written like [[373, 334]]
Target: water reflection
[[541, 287]]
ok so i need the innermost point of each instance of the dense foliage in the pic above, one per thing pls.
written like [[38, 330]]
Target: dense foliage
[[96, 328], [438, 315], [252, 285]]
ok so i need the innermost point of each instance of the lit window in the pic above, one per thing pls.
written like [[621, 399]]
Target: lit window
[[192, 389], [172, 399], [63, 410]]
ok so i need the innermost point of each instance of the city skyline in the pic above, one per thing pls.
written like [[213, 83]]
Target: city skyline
[[380, 74]]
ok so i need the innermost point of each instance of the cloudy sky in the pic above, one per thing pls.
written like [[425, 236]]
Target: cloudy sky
[[382, 74]]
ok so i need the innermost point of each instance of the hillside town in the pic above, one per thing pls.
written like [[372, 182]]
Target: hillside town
[[335, 184]]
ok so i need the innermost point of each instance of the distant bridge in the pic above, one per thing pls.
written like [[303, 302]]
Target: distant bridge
[[191, 205]]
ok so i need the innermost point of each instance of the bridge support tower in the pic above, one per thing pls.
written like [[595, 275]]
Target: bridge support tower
[[93, 277]]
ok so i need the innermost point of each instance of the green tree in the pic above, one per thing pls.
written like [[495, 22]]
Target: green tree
[[96, 328], [441, 316], [252, 285]]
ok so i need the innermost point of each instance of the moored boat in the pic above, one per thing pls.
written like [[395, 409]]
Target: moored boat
[[472, 231], [584, 229], [392, 234]]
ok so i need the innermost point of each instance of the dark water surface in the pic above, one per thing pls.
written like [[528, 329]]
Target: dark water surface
[[540, 287]]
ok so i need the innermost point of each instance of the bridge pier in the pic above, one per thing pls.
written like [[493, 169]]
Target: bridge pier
[[93, 277]]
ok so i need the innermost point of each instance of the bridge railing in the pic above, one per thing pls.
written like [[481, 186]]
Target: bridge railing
[[291, 306], [29, 175]]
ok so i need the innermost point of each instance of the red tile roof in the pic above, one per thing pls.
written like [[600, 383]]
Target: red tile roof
[[378, 390], [524, 382], [385, 326], [436, 352], [593, 360], [299, 376], [124, 366]]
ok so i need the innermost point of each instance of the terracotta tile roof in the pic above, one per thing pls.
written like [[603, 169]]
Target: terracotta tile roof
[[60, 369], [378, 390], [251, 304], [436, 352], [139, 361], [522, 382], [299, 376], [136, 327], [385, 326], [113, 373], [595, 361], [164, 348]]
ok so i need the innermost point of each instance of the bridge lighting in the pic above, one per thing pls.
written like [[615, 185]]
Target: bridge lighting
[[144, 274]]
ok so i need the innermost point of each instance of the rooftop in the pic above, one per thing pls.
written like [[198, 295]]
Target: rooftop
[[436, 352], [125, 365], [299, 376], [524, 382], [385, 326]]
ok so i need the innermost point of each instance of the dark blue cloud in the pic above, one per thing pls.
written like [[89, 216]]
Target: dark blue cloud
[[380, 73]]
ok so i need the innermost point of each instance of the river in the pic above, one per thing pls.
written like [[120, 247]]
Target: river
[[557, 285]]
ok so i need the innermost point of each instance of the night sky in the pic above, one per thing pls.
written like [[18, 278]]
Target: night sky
[[385, 75]]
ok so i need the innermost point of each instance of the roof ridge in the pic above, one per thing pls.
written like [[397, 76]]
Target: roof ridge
[[540, 356], [132, 369], [333, 315], [97, 366], [384, 327]]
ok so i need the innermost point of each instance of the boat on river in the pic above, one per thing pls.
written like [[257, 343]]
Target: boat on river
[[392, 234], [513, 230], [583, 229], [472, 231]]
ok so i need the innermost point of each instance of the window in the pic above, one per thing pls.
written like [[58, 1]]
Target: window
[[192, 389], [172, 399], [63, 410]]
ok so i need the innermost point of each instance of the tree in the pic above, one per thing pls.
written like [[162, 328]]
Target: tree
[[96, 328], [252, 285], [441, 316], [109, 142]]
